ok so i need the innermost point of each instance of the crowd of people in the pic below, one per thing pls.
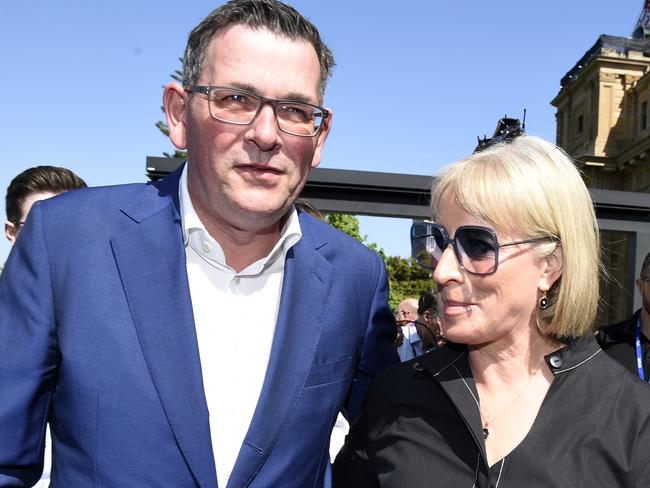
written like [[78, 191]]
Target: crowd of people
[[119, 359]]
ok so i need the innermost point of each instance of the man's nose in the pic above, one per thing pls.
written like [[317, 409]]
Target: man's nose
[[264, 130]]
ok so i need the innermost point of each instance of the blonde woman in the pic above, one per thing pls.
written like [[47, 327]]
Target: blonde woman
[[521, 395]]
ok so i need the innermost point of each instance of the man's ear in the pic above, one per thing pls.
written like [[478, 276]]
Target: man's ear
[[321, 137], [428, 316], [552, 269], [10, 232], [175, 103]]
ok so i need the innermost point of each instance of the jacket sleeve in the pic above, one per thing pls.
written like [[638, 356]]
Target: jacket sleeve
[[28, 355], [378, 350]]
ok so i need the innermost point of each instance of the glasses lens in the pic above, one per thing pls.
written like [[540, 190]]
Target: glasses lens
[[233, 106], [478, 249], [238, 107], [427, 242], [299, 118]]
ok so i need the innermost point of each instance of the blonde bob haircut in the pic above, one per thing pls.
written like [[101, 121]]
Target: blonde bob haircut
[[530, 187]]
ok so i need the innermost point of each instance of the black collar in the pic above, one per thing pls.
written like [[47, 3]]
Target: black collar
[[572, 354], [450, 367]]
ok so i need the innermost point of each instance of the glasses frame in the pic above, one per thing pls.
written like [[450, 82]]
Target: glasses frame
[[207, 90], [457, 252], [645, 278]]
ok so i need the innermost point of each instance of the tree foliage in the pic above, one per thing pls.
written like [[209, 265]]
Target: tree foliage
[[405, 278]]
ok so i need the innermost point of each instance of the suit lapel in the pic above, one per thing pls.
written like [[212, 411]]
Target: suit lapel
[[307, 281], [151, 260]]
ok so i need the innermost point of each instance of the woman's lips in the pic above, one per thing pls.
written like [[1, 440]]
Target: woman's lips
[[452, 307]]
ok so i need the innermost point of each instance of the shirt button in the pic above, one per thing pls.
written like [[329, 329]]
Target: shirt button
[[207, 247], [556, 361]]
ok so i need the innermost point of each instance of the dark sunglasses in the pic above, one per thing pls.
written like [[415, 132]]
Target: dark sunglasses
[[476, 248]]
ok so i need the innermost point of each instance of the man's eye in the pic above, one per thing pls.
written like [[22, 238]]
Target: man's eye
[[234, 100], [296, 113], [237, 98]]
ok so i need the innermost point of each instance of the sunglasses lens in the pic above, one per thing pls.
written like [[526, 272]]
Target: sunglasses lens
[[478, 249], [426, 244]]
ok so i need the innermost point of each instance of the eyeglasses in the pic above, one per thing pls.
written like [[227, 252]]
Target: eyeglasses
[[476, 248], [18, 225], [240, 107], [645, 278]]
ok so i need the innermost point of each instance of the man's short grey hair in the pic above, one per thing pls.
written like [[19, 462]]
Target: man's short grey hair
[[272, 15]]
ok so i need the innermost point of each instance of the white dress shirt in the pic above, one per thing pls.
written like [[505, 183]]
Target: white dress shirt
[[412, 344], [235, 315]]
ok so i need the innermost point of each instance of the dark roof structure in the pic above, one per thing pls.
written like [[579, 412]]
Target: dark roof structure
[[407, 196], [619, 44]]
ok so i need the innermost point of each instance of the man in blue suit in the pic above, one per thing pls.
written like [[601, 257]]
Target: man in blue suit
[[115, 302]]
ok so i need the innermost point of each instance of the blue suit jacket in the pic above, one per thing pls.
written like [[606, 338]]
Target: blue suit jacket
[[97, 335]]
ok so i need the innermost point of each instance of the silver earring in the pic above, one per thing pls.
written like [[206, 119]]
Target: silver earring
[[543, 301]]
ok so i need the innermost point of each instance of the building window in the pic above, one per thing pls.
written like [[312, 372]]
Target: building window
[[579, 125], [643, 116]]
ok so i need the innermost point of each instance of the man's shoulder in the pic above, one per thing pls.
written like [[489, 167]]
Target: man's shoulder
[[327, 237], [96, 212], [113, 195], [619, 332]]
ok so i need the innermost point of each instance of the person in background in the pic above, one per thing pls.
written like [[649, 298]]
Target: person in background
[[131, 350], [428, 321], [521, 395], [628, 341], [32, 185], [407, 340]]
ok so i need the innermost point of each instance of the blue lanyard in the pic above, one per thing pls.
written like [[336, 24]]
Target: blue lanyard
[[639, 355]]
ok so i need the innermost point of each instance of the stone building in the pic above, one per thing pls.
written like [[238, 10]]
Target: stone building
[[603, 122], [603, 117]]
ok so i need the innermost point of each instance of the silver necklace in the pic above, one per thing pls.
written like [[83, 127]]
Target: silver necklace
[[508, 404], [486, 432], [485, 421]]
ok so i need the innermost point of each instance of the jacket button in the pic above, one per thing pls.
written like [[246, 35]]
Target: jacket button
[[556, 361]]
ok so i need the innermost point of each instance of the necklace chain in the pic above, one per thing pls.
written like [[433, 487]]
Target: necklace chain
[[487, 421]]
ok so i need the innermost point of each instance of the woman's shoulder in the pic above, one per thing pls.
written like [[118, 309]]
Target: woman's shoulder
[[407, 382]]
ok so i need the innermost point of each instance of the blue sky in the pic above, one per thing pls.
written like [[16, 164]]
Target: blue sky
[[416, 81]]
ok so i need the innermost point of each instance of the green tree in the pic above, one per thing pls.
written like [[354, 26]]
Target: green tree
[[405, 278]]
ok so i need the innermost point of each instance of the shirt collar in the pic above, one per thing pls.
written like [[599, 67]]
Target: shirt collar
[[196, 236], [573, 353]]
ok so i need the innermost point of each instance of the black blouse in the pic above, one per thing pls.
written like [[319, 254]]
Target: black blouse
[[422, 428]]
